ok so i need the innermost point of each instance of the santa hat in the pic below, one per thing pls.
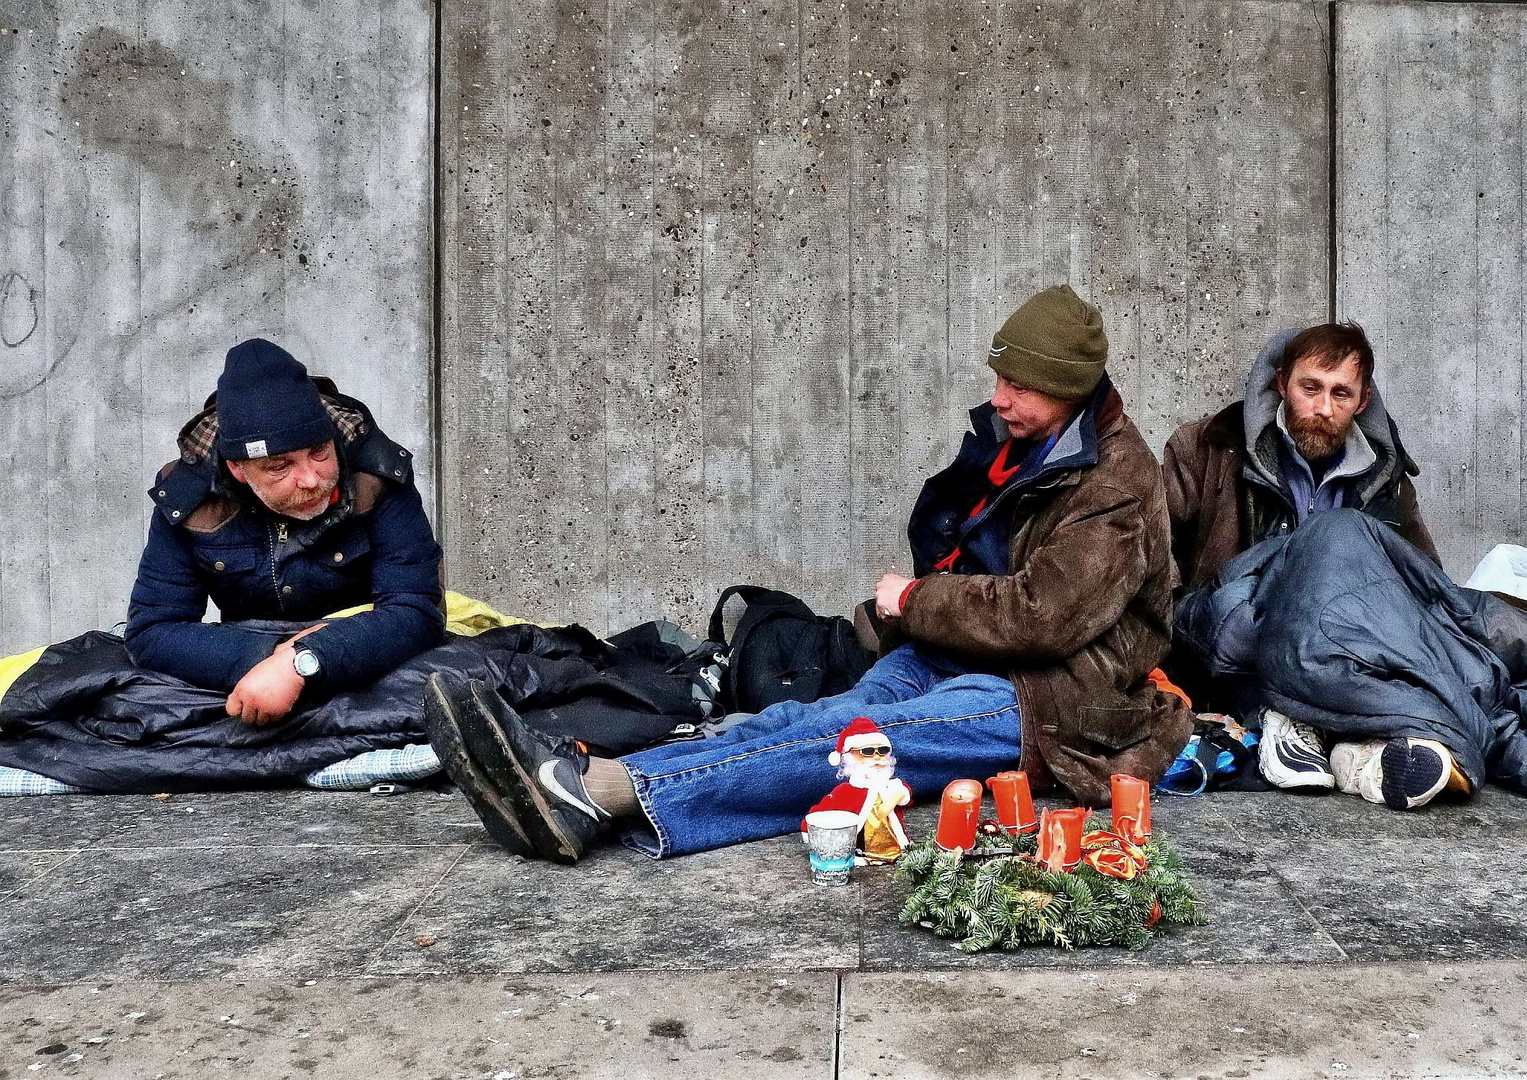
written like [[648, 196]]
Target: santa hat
[[860, 732]]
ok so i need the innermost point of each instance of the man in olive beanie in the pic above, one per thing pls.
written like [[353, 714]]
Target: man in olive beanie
[[1041, 606], [1054, 344], [286, 504]]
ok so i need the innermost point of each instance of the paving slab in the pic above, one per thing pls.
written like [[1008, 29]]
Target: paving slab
[[20, 868], [633, 1025], [293, 819], [748, 907], [1280, 815], [1344, 1021], [56, 822], [181, 913], [1412, 899]]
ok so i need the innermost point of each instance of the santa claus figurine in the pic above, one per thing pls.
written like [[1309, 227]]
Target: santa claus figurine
[[869, 790]]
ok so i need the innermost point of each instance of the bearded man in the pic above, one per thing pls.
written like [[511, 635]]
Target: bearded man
[[286, 504], [1311, 435]]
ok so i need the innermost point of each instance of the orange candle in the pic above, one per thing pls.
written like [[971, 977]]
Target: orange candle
[[1131, 807], [958, 814], [1015, 803], [1060, 838]]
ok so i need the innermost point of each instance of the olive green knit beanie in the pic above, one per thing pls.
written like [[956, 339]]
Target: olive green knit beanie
[[1054, 343]]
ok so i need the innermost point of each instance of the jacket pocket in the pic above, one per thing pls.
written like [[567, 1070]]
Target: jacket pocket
[[1116, 728]]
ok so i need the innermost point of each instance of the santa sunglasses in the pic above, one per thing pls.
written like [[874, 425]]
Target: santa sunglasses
[[871, 751]]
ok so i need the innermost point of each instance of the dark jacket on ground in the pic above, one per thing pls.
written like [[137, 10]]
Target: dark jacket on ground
[[1343, 625], [1226, 490], [1084, 610], [210, 537]]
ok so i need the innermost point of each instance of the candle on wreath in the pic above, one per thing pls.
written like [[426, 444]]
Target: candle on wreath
[[1131, 807], [1015, 803], [958, 813], [1060, 838]]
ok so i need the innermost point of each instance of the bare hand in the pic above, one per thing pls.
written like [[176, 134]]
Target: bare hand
[[888, 592], [304, 633], [268, 690]]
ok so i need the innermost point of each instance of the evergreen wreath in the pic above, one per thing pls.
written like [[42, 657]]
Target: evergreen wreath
[[991, 901]]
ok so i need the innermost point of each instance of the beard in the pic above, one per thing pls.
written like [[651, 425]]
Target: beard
[[1316, 439], [305, 507], [868, 774]]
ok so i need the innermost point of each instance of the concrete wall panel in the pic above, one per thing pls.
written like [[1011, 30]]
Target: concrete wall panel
[[719, 279], [175, 177], [1430, 195]]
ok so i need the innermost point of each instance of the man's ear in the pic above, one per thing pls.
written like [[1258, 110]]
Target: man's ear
[[1280, 383], [1362, 406], [236, 468]]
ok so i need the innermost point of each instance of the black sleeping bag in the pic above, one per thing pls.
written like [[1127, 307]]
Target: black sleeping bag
[[1344, 625], [85, 715]]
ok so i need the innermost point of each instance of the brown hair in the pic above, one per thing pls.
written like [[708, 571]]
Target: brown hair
[[1329, 345]]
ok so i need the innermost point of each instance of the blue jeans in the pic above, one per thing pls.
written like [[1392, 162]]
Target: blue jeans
[[758, 779]]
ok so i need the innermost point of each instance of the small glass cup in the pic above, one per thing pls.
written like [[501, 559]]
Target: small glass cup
[[831, 835]]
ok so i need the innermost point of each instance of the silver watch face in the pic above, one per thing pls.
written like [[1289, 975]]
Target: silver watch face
[[306, 663]]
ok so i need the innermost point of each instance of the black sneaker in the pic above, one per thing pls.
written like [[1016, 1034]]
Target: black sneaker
[[445, 700], [515, 756]]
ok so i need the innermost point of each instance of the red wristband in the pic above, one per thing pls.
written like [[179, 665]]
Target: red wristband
[[902, 603]]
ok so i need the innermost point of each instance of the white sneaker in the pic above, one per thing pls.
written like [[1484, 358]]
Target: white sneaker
[[1291, 754], [1359, 768]]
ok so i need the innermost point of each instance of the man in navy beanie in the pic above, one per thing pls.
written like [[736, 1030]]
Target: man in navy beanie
[[286, 504]]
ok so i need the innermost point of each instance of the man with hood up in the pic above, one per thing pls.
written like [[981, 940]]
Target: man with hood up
[[1312, 434]]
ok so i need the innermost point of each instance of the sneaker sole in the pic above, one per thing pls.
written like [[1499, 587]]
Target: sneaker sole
[[1400, 760], [441, 722], [480, 728]]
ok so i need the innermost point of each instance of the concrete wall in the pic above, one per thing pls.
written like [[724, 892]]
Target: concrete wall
[[719, 279], [174, 177], [1431, 187]]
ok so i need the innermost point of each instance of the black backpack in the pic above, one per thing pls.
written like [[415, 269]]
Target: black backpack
[[783, 651]]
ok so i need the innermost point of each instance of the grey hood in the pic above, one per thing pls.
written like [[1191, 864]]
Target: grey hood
[[1260, 416]]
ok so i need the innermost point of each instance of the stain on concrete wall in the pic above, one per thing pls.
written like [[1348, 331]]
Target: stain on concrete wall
[[1431, 190], [174, 178], [719, 279]]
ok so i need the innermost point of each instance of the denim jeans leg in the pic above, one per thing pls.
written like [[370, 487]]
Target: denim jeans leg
[[902, 673], [758, 785]]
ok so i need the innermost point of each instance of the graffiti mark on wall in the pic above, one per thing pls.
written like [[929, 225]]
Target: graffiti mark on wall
[[18, 310]]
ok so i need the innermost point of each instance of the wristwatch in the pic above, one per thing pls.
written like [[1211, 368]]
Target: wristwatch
[[306, 663]]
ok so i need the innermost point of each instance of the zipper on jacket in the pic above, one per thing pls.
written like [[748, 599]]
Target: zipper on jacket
[[275, 582]]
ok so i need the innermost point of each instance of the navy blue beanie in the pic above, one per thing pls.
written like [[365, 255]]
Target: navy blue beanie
[[266, 404]]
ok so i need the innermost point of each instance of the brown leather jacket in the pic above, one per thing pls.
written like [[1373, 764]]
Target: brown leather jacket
[[1083, 616]]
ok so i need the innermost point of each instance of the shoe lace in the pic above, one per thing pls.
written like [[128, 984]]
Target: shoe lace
[[1306, 735]]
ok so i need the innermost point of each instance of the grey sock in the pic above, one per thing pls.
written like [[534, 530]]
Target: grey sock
[[609, 785]]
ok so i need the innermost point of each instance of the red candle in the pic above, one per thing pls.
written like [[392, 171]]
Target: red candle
[[1060, 838], [1131, 807], [1015, 803], [958, 814]]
